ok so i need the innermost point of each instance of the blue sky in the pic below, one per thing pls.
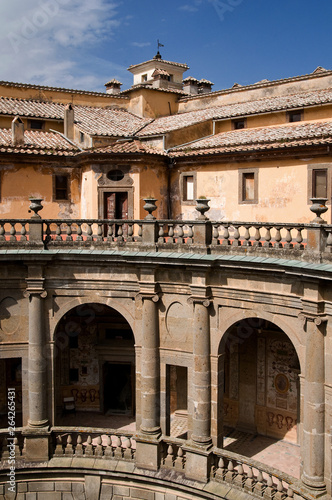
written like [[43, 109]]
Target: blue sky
[[84, 43]]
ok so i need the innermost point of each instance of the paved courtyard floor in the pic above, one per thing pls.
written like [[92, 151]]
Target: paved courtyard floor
[[279, 454]]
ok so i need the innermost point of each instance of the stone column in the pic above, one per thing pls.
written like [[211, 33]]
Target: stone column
[[148, 438], [198, 448], [314, 405], [37, 430]]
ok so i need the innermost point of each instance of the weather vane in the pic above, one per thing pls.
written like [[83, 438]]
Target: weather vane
[[159, 45]]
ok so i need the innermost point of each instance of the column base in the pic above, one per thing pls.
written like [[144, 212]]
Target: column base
[[148, 448], [317, 488], [198, 460], [37, 444]]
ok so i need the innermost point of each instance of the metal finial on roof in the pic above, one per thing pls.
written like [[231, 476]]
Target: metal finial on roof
[[158, 55]]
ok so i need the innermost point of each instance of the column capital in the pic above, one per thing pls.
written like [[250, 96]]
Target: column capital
[[148, 296], [35, 286], [317, 319], [204, 301]]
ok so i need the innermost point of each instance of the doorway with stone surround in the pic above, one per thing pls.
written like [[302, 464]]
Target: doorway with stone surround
[[94, 363]]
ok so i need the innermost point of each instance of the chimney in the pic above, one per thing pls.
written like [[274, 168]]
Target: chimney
[[69, 122], [161, 79], [113, 87], [17, 131], [190, 85], [204, 86]]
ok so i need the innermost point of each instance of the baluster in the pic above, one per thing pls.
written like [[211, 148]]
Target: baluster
[[267, 240], [110, 236], [257, 242], [161, 238], [140, 232], [79, 236], [69, 232], [299, 239], [225, 237], [290, 493], [118, 447], [179, 459], [12, 232], [169, 461], [59, 448], [79, 446], [277, 238], [108, 453], [2, 231], [280, 493], [119, 238], [88, 447], [240, 478], [48, 233], [230, 474], [130, 232], [288, 238], [100, 232], [190, 234], [69, 450], [180, 234], [247, 242], [259, 486], [133, 447], [269, 490], [221, 470], [236, 236], [98, 447], [126, 448], [249, 483], [215, 234], [58, 232], [89, 236], [24, 232], [328, 242], [17, 447], [170, 233]]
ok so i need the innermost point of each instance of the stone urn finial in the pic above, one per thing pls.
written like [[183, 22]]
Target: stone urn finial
[[150, 206], [318, 208], [35, 206], [202, 206]]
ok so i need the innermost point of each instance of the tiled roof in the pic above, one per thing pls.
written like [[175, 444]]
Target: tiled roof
[[168, 123], [134, 146], [41, 143], [287, 136], [36, 109], [108, 122], [91, 120], [180, 65], [149, 87], [54, 89]]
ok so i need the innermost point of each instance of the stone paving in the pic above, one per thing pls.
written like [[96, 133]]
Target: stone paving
[[275, 453]]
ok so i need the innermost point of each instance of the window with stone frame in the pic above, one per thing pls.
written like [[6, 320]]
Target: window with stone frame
[[188, 187], [61, 191], [248, 186], [319, 183]]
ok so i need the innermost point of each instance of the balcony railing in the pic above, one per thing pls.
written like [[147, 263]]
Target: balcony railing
[[169, 235]]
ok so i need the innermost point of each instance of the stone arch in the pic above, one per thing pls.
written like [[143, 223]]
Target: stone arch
[[80, 301], [258, 376], [272, 318], [94, 359]]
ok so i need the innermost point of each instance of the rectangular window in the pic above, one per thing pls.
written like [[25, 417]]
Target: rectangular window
[[144, 78], [295, 116], [319, 183], [61, 187], [36, 124], [239, 124], [248, 186], [188, 188]]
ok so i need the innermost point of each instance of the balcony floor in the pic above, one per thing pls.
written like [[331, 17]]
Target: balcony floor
[[279, 454]]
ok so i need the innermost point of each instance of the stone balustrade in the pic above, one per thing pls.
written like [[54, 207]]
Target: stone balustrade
[[239, 472], [170, 235]]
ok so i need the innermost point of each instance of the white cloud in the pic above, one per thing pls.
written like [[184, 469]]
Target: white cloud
[[46, 41], [141, 44]]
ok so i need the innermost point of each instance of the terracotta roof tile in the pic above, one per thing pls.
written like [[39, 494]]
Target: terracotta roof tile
[[260, 139], [168, 123], [41, 143], [134, 146], [55, 89]]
